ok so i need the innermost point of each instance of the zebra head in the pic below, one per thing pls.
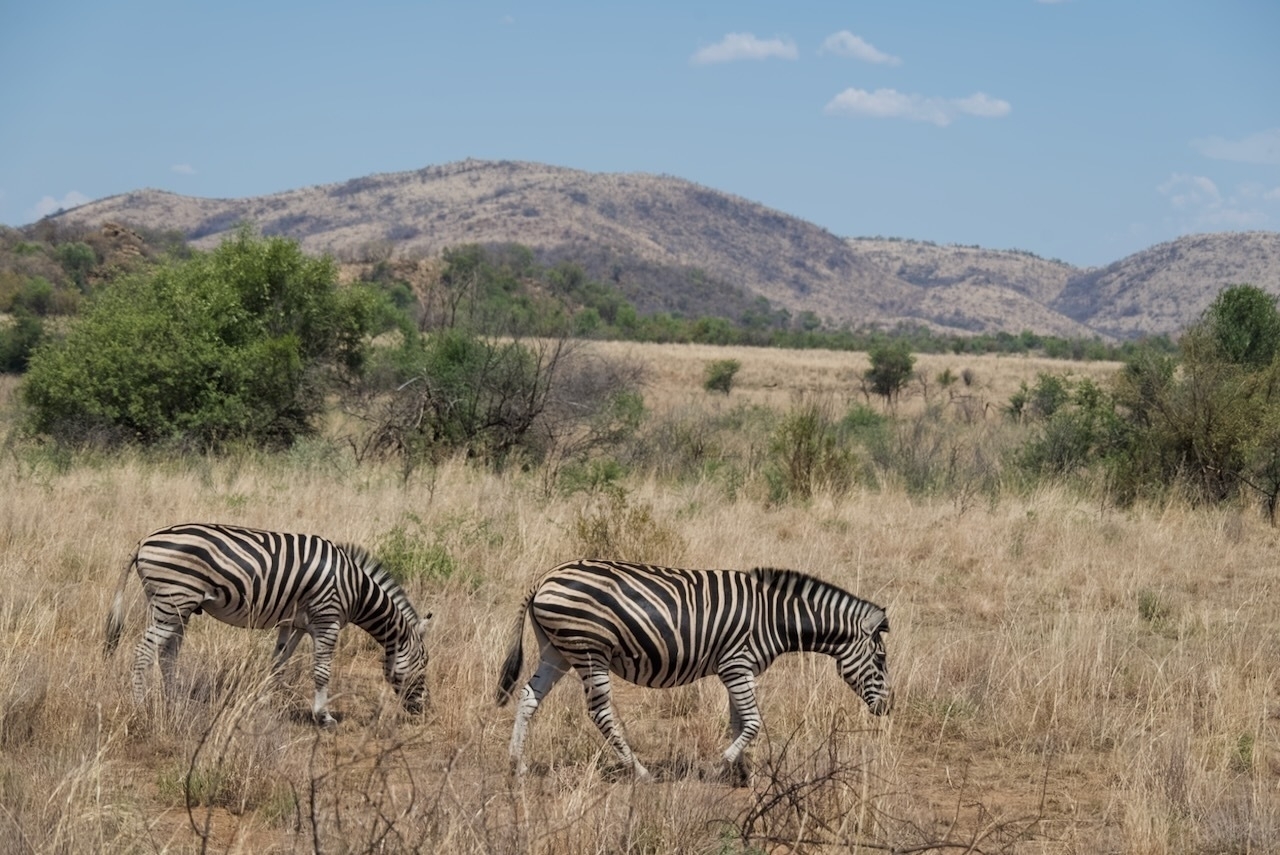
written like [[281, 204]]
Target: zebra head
[[863, 664], [406, 667]]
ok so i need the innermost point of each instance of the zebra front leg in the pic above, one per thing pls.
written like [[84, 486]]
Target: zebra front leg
[[744, 713], [324, 638], [600, 706], [552, 667]]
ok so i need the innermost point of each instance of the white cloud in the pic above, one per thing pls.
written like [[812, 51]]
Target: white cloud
[[1190, 192], [983, 105], [1262, 147], [183, 169], [1199, 205], [49, 205], [845, 43], [892, 104], [736, 46]]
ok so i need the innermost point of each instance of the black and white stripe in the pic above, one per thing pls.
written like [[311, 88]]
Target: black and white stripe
[[297, 583], [662, 627]]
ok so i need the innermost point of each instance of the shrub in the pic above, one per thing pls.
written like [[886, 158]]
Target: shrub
[[891, 365], [719, 375], [1245, 325], [409, 553], [17, 342], [1042, 400], [618, 529], [226, 346], [805, 454], [495, 399]]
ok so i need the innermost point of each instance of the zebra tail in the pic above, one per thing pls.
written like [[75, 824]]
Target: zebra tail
[[515, 656], [115, 617]]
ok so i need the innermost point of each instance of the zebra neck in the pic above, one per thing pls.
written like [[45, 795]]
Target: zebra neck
[[381, 606], [380, 616], [806, 613]]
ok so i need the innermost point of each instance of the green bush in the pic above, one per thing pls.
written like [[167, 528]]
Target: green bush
[[1245, 325], [225, 346], [1206, 425], [17, 342], [805, 454], [409, 553], [77, 259], [497, 400], [719, 375], [891, 366]]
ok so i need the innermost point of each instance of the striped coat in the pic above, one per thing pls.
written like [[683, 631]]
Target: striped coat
[[662, 627], [298, 584]]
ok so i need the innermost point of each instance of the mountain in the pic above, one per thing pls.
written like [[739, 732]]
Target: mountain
[[672, 245], [979, 290], [1162, 289]]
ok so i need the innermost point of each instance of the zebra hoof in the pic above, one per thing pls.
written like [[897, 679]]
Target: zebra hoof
[[735, 774], [326, 721]]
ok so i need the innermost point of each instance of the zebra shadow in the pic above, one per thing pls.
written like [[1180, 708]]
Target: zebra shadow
[[228, 688], [693, 769], [667, 771]]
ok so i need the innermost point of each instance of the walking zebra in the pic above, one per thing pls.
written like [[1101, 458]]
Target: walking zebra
[[297, 583], [663, 627]]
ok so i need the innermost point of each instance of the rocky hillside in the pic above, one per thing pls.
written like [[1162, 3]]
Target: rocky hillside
[[975, 289], [1161, 289], [672, 245]]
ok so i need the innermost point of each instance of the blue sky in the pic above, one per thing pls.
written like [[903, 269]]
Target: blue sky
[[1083, 130]]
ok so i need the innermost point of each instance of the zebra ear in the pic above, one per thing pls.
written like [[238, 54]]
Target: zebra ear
[[423, 622], [875, 621]]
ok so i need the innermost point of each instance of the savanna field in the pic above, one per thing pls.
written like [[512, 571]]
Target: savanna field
[[1071, 675]]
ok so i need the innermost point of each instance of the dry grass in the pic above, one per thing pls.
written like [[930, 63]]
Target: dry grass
[[772, 377], [1070, 678]]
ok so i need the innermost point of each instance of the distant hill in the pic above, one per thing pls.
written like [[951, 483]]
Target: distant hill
[[1161, 289], [670, 245]]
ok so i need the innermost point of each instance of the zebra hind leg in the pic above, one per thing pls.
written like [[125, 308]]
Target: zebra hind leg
[[287, 640], [286, 643], [161, 640], [550, 669], [595, 681]]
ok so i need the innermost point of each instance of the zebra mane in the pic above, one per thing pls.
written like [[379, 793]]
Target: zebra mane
[[805, 584], [800, 582], [373, 568]]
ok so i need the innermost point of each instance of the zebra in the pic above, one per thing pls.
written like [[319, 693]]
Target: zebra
[[662, 627], [297, 583]]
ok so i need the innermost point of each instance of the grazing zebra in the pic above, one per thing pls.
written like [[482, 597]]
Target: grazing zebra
[[663, 627], [297, 583]]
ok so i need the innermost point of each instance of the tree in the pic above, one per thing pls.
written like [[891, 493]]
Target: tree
[[18, 340], [1207, 424], [224, 346], [718, 375], [1245, 325], [891, 365]]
